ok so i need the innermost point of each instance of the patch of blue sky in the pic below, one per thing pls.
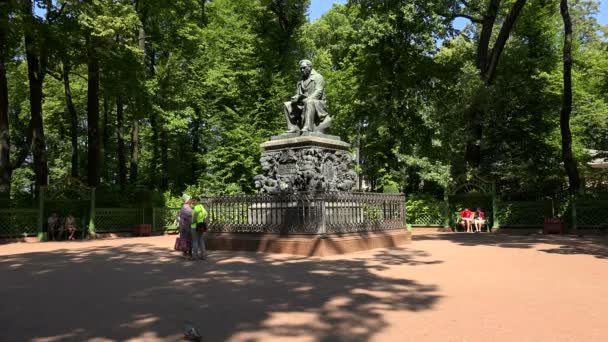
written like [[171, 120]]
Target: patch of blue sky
[[602, 16], [318, 7]]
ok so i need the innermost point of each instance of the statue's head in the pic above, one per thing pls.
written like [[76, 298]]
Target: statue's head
[[258, 181], [305, 68]]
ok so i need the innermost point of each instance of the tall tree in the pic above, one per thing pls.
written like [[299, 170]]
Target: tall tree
[[102, 23], [134, 158], [93, 165], [568, 159], [5, 143], [120, 143], [141, 8], [37, 59], [66, 48], [7, 166], [73, 118], [487, 63]]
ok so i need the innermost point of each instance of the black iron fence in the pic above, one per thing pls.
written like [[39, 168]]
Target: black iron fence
[[303, 213], [306, 213]]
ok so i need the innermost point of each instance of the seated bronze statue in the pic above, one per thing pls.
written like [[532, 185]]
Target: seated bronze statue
[[307, 110]]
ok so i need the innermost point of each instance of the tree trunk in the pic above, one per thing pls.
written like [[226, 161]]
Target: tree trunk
[[155, 151], [164, 151], [156, 125], [487, 63], [204, 20], [6, 166], [120, 144], [104, 132], [568, 159], [93, 114], [141, 39], [196, 124], [73, 118], [36, 67], [474, 117], [134, 152], [5, 143]]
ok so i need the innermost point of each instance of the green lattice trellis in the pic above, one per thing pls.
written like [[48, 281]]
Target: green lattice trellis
[[18, 222], [111, 220], [528, 214], [433, 219], [163, 218], [592, 214], [68, 196], [470, 192]]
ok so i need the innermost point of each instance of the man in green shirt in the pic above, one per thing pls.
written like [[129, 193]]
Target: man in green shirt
[[198, 228]]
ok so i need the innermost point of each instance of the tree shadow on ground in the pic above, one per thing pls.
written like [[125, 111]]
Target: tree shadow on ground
[[147, 292], [564, 244]]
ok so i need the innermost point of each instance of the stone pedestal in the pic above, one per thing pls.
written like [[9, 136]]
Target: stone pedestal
[[308, 245], [306, 162]]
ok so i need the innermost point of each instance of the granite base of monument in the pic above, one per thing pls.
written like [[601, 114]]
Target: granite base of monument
[[306, 162], [308, 245], [314, 224]]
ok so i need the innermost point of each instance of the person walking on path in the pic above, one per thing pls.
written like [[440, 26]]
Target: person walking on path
[[184, 221], [198, 229]]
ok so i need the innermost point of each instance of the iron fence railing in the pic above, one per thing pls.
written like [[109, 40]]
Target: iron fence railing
[[306, 213]]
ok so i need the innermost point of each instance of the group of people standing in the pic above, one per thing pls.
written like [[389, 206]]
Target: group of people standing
[[192, 222], [472, 222]]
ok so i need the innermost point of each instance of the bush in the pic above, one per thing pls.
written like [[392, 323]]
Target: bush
[[424, 209]]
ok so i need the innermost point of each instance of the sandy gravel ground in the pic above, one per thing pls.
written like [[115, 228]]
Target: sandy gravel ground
[[443, 287]]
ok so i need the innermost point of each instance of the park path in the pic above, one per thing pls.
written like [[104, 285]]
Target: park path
[[442, 287]]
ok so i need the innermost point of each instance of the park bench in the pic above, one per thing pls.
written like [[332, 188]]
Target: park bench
[[457, 226], [81, 230]]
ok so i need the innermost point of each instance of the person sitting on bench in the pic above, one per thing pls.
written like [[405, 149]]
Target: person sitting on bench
[[55, 230], [70, 226], [480, 219], [466, 217]]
